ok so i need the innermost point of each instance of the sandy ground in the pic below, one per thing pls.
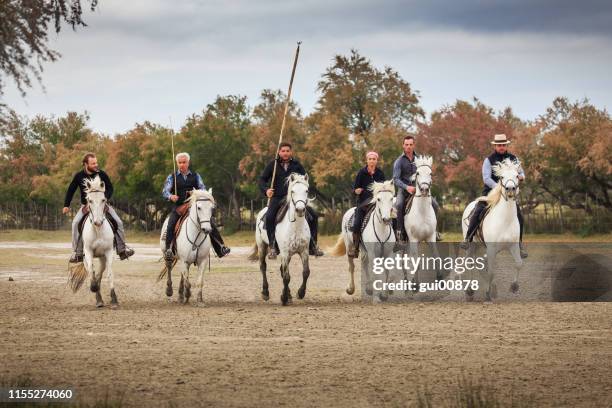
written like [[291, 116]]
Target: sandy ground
[[330, 349]]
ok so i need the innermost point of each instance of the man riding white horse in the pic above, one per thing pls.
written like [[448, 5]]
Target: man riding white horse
[[90, 170], [186, 180], [403, 171], [500, 143], [286, 165], [364, 179]]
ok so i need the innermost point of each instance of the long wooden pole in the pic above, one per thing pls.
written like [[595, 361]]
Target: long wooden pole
[[280, 137], [173, 156]]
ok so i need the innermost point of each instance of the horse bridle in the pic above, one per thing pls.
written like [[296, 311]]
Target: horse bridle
[[294, 202], [505, 186], [416, 181], [89, 215], [378, 214], [194, 245]]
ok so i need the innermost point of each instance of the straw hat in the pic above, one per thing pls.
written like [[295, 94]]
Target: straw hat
[[500, 139]]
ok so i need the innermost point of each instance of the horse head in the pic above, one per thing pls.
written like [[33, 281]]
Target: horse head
[[96, 200], [297, 193], [382, 196], [507, 171], [422, 176], [203, 203]]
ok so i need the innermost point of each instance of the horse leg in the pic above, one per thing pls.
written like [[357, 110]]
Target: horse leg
[[366, 275], [350, 289], [181, 290], [518, 261], [201, 270], [284, 269], [490, 288], [95, 282], [414, 249], [187, 284], [169, 279], [108, 260], [305, 274], [263, 250]]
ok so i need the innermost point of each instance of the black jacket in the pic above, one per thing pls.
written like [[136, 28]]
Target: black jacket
[[363, 180], [78, 181], [280, 187]]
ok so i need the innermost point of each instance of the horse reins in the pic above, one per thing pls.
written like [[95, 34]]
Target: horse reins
[[194, 245]]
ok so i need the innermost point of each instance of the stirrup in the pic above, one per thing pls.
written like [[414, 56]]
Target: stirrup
[[223, 251], [272, 254], [75, 258], [126, 253]]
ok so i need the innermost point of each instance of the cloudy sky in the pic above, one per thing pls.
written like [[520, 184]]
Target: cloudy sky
[[160, 59]]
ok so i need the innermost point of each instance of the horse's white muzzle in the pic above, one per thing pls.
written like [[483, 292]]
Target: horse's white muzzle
[[300, 210], [386, 220], [98, 223], [206, 227]]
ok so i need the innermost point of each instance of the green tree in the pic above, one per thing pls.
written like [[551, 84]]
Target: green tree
[[217, 140]]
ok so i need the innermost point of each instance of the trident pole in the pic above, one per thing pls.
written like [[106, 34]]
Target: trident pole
[[280, 137]]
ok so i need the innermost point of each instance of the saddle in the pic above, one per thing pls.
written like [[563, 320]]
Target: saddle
[[182, 210], [369, 210], [85, 211], [478, 233], [282, 211]]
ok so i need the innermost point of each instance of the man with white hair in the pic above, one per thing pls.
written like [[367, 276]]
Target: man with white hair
[[186, 180]]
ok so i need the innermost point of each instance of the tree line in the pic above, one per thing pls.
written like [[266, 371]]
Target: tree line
[[565, 151]]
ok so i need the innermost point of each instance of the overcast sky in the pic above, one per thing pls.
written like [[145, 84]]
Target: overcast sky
[[155, 59]]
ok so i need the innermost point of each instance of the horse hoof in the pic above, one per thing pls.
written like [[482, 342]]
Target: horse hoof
[[265, 296], [284, 300], [94, 287], [99, 304], [383, 297], [301, 293], [514, 287], [169, 291], [350, 291], [369, 291]]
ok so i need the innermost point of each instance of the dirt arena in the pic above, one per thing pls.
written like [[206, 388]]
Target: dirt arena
[[330, 349]]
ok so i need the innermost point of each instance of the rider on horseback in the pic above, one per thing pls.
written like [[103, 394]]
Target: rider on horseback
[[186, 180], [286, 165], [90, 170], [365, 177], [403, 171], [500, 143]]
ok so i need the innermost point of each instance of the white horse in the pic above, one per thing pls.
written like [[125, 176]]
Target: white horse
[[377, 239], [97, 239], [292, 237], [420, 222], [192, 244], [500, 228]]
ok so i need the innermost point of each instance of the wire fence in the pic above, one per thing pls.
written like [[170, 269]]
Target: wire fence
[[148, 217]]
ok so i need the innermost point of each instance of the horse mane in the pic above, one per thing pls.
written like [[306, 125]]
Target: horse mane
[[506, 164], [196, 194], [297, 178], [96, 185], [493, 197], [498, 169], [378, 187], [423, 161]]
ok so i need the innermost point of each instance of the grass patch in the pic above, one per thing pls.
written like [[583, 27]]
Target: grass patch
[[471, 392]]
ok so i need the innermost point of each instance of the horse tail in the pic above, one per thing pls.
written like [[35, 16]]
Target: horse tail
[[340, 248], [164, 270], [76, 276], [254, 255]]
